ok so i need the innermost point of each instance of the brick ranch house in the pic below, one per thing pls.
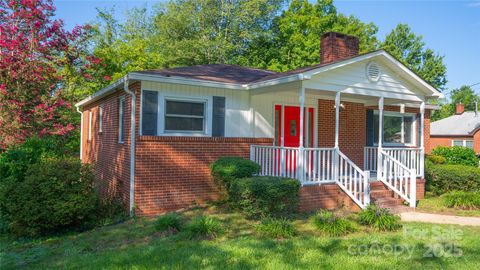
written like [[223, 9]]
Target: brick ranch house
[[351, 129], [460, 129]]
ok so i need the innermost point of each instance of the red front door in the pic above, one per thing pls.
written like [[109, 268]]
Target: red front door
[[291, 126]]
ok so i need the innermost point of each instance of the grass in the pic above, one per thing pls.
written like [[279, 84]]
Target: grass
[[136, 244], [435, 204]]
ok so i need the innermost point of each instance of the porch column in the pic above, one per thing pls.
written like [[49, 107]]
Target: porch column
[[337, 133], [300, 157], [337, 119], [380, 136], [422, 138]]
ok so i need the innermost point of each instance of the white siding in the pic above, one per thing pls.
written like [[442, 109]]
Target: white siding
[[237, 109], [352, 79]]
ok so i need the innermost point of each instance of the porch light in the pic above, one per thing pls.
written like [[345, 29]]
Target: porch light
[[342, 106]]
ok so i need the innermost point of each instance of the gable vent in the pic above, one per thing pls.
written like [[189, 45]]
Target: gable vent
[[373, 72]]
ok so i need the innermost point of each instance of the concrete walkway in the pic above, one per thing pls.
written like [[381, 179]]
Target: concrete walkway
[[440, 219]]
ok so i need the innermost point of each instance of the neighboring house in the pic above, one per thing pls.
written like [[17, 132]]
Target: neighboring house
[[153, 134], [461, 129]]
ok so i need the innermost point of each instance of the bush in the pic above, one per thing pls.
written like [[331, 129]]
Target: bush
[[327, 222], [227, 169], [203, 227], [457, 155], [54, 195], [169, 222], [379, 218], [436, 159], [441, 179], [276, 228], [462, 199], [265, 196]]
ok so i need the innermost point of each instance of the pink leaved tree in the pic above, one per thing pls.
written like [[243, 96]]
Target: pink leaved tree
[[35, 50]]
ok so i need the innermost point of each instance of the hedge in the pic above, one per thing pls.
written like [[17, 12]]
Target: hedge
[[444, 178], [457, 155], [265, 196], [227, 169], [55, 195]]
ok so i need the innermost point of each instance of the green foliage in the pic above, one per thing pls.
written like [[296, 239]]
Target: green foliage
[[294, 37], [457, 155], [441, 179], [436, 159], [410, 49], [204, 227], [265, 196], [276, 228], [379, 218], [328, 223], [169, 222], [55, 195], [227, 169], [462, 199]]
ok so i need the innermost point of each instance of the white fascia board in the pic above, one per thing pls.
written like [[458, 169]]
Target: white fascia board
[[105, 91], [287, 79]]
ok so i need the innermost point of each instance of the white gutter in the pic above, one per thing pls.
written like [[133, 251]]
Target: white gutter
[[81, 133], [132, 144]]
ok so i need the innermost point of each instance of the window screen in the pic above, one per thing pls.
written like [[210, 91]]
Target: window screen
[[184, 116]]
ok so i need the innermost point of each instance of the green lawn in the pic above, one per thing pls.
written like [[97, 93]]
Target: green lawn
[[135, 245], [434, 204]]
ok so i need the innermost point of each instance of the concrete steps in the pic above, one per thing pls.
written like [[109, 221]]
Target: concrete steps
[[385, 198]]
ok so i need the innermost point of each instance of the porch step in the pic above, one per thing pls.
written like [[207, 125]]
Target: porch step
[[386, 198]]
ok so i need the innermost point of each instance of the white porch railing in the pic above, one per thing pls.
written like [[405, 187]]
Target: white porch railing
[[412, 158], [398, 177], [314, 166]]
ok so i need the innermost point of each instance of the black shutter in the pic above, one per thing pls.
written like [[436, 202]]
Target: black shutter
[[218, 120], [370, 128], [149, 112]]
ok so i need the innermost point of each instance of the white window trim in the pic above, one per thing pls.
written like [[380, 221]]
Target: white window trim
[[208, 99], [90, 120], [121, 116], [414, 128], [464, 142], [185, 132], [100, 119]]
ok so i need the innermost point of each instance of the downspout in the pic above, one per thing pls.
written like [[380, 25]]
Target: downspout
[[132, 145], [81, 133]]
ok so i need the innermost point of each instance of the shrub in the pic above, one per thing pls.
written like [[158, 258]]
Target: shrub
[[435, 159], [276, 228], [462, 199], [379, 218], [54, 195], [457, 155], [203, 227], [227, 169], [327, 222], [265, 196], [441, 179], [169, 222]]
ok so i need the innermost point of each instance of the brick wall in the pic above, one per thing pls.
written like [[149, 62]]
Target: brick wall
[[436, 141], [173, 172], [352, 137], [111, 160]]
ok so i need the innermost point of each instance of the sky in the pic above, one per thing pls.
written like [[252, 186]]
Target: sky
[[450, 28]]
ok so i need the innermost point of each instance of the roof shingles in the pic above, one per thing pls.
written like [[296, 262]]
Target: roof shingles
[[460, 124]]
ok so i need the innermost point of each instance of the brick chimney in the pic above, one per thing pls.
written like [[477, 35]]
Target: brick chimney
[[337, 46], [460, 108]]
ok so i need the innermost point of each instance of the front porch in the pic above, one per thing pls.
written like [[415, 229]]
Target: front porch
[[391, 153]]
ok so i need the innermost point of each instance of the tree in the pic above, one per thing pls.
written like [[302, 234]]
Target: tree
[[295, 35], [191, 32], [465, 95], [34, 52], [410, 49]]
